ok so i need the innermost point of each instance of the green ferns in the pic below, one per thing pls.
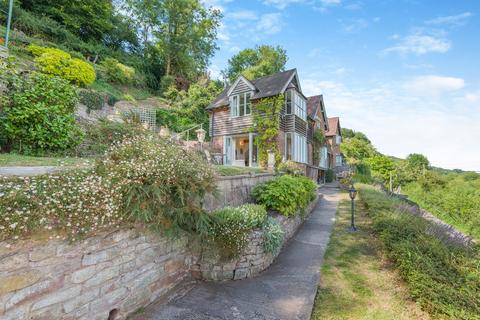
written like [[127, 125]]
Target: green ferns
[[286, 194]]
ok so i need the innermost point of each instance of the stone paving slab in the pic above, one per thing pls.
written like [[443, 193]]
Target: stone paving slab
[[284, 291], [29, 171]]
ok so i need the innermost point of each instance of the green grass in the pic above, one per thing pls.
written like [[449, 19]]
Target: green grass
[[235, 171], [357, 280], [119, 91], [11, 159]]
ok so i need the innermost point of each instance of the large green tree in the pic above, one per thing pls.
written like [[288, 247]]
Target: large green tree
[[253, 63], [89, 19], [356, 150]]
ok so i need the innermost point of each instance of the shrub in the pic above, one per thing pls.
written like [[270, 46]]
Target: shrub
[[443, 279], [329, 175], [91, 99], [56, 62], [254, 214], [38, 114], [118, 73], [290, 167], [272, 236], [286, 194], [162, 184]]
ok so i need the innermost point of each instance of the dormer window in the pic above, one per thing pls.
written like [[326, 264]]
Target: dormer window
[[240, 104]]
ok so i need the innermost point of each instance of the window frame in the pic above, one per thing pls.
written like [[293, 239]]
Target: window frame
[[240, 109]]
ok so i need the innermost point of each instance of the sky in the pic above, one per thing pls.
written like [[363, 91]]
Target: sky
[[404, 72]]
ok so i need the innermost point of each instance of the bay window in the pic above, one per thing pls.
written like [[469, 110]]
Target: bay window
[[240, 104], [295, 147], [295, 104]]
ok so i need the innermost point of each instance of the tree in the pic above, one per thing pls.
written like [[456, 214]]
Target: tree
[[381, 166], [254, 63], [349, 133], [355, 150], [89, 19], [417, 161]]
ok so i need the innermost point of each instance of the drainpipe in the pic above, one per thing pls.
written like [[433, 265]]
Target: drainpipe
[[9, 22]]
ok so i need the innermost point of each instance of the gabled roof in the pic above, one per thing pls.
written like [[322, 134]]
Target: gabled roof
[[313, 103], [333, 127], [267, 86]]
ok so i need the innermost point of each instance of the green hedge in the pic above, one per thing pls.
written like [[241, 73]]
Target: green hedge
[[286, 194], [444, 279]]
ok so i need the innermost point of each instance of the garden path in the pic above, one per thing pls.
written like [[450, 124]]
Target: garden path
[[29, 171], [285, 291]]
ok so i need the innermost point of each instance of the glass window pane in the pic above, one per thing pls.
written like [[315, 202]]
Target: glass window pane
[[288, 146], [248, 108], [289, 102]]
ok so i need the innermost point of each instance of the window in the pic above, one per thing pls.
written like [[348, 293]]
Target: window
[[338, 139], [295, 101], [323, 157], [295, 147], [240, 104], [338, 161]]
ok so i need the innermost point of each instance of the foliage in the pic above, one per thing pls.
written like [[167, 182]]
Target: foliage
[[290, 167], [59, 63], [286, 194], [273, 235], [232, 226], [381, 166], [349, 133], [266, 123], [415, 166], [161, 183], [355, 150], [318, 143], [450, 198], [258, 62], [443, 279], [235, 171], [38, 113], [100, 135], [329, 176], [91, 99], [117, 72]]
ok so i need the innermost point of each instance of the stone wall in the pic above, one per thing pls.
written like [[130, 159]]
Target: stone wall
[[235, 190], [115, 273], [253, 260]]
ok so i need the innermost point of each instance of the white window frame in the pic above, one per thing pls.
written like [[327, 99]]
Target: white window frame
[[338, 139], [338, 160], [235, 105], [298, 104], [299, 147]]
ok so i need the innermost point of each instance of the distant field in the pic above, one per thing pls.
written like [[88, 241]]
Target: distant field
[[357, 281], [11, 160]]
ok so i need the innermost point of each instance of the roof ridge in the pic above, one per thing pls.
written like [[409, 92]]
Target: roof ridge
[[270, 75]]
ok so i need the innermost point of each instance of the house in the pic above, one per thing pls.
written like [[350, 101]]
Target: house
[[334, 140], [231, 121]]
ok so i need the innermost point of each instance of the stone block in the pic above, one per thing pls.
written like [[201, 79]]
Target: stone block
[[42, 253], [77, 302], [240, 274], [84, 274], [13, 261], [57, 297], [94, 258], [103, 276], [108, 302], [33, 291], [174, 265], [17, 281]]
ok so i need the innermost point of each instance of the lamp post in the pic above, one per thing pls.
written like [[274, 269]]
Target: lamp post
[[353, 193], [9, 22]]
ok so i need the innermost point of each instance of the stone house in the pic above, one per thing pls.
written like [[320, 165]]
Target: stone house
[[231, 122]]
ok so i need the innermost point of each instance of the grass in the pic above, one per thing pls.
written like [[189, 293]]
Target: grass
[[358, 282], [235, 171], [11, 159]]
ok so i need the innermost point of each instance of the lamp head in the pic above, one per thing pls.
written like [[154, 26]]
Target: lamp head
[[352, 192]]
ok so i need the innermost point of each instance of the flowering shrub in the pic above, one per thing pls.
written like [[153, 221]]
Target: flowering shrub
[[290, 167], [141, 179], [286, 194], [70, 205], [272, 236], [254, 214], [161, 183], [117, 72]]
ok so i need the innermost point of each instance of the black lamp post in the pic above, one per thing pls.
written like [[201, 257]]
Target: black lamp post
[[353, 193]]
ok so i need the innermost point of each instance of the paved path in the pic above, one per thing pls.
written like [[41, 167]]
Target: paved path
[[284, 291], [29, 171]]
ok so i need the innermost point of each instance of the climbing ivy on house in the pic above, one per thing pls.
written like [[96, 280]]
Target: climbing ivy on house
[[266, 123], [318, 142]]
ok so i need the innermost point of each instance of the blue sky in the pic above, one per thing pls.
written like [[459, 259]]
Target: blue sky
[[405, 72]]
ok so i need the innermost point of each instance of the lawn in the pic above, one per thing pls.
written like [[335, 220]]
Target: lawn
[[11, 160], [235, 171], [357, 280]]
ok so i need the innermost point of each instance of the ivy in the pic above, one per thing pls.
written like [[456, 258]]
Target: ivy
[[266, 123], [318, 141]]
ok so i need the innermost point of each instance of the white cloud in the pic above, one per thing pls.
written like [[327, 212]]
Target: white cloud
[[399, 124], [242, 15], [282, 4], [459, 19], [269, 23], [434, 85], [354, 25], [420, 44]]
